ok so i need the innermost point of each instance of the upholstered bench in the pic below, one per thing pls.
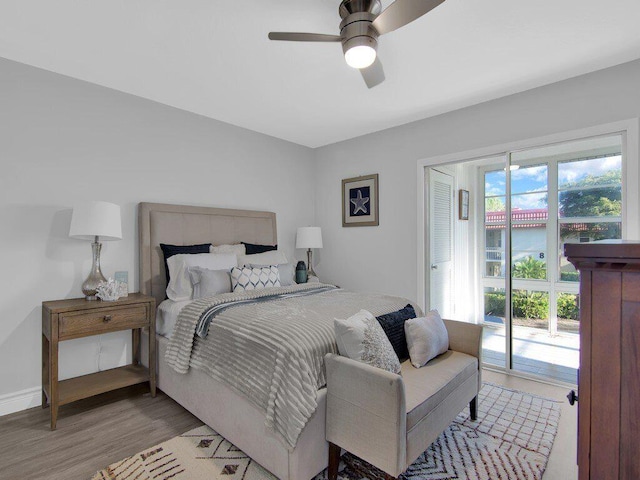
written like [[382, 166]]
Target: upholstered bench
[[387, 419]]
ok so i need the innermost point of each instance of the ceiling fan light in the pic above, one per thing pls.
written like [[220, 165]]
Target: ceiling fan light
[[360, 56]]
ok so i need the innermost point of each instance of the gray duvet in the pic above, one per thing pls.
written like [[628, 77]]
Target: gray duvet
[[272, 351]]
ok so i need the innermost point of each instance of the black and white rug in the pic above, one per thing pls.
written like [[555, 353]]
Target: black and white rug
[[511, 439]]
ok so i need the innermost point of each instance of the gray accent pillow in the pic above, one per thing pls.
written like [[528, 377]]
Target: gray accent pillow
[[427, 337], [287, 272], [209, 282], [360, 337]]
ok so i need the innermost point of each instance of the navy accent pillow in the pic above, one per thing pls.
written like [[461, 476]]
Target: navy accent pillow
[[171, 250], [393, 325], [252, 248]]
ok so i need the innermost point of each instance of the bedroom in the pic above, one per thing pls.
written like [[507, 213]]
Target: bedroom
[[65, 140]]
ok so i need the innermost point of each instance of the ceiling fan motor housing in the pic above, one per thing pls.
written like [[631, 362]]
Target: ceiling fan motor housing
[[356, 29]]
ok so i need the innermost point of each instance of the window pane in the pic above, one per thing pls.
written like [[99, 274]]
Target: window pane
[[494, 305], [568, 313], [530, 309], [493, 336], [597, 171], [529, 179], [590, 188], [591, 202], [529, 251], [494, 208], [495, 183], [494, 253], [583, 233], [529, 202]]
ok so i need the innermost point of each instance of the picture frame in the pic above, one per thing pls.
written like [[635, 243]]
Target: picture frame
[[463, 204], [360, 201]]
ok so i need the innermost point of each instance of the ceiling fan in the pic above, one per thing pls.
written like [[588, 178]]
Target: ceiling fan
[[362, 24]]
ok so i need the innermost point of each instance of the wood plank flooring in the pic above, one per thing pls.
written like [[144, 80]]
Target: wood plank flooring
[[91, 434], [98, 431]]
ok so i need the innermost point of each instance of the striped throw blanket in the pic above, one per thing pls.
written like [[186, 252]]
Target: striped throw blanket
[[271, 352]]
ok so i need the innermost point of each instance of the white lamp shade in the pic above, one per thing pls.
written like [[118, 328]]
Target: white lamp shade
[[309, 237], [96, 219]]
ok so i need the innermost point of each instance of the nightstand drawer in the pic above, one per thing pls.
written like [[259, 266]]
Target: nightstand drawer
[[109, 319]]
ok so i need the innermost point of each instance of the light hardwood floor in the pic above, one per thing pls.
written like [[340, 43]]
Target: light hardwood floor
[[95, 432], [91, 434]]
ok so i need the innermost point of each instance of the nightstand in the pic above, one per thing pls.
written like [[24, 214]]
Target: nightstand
[[76, 318]]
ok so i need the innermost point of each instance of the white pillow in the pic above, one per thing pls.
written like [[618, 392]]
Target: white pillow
[[247, 278], [180, 287], [272, 257], [427, 337], [236, 249], [286, 271], [360, 337], [209, 282]]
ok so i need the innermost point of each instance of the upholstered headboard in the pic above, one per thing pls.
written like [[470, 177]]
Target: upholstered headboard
[[187, 225]]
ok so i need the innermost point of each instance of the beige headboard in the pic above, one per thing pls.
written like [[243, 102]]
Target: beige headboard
[[187, 225]]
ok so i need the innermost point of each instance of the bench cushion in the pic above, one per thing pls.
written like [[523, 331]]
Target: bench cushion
[[428, 386]]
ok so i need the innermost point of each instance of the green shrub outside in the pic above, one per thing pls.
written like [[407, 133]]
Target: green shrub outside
[[568, 306], [533, 305]]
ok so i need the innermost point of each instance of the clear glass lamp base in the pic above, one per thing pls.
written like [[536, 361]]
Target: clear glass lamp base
[[90, 285]]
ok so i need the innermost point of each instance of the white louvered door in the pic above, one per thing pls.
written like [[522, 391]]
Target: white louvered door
[[440, 221]]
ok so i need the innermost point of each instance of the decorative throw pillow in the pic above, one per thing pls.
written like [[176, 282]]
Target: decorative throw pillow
[[252, 248], [170, 250], [427, 338], [393, 326], [274, 257], [236, 249], [287, 272], [247, 278], [209, 282], [180, 287], [360, 337]]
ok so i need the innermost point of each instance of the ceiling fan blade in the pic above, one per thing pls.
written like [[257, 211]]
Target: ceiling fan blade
[[402, 12], [304, 37], [374, 74]]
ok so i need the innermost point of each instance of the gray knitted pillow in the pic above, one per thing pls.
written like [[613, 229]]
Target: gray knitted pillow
[[360, 337]]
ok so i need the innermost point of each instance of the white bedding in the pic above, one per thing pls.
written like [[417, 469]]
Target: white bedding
[[167, 316]]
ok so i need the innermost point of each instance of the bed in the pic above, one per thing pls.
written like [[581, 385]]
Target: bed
[[211, 400]]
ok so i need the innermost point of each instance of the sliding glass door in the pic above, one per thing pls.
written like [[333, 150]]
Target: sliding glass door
[[535, 201]]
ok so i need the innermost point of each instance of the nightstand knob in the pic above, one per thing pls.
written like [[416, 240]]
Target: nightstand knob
[[107, 318]]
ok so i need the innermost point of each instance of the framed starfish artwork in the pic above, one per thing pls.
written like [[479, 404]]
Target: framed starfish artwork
[[360, 201]]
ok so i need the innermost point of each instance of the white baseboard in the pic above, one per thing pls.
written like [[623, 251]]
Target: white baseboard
[[18, 401]]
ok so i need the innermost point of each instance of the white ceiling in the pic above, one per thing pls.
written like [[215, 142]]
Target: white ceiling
[[213, 57]]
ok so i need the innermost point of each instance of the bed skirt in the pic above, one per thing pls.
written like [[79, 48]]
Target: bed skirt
[[235, 418]]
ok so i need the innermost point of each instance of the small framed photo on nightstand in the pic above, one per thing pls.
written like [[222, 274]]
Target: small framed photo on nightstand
[[122, 277]]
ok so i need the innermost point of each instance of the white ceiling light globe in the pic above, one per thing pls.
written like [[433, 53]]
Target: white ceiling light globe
[[360, 56]]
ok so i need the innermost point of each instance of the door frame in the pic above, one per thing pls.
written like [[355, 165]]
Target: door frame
[[454, 181], [629, 129]]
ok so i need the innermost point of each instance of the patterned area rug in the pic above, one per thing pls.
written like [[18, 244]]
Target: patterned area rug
[[511, 439]]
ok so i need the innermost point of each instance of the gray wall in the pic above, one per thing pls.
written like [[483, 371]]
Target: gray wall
[[384, 258], [64, 141]]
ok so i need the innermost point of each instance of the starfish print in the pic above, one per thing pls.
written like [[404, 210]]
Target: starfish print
[[360, 203]]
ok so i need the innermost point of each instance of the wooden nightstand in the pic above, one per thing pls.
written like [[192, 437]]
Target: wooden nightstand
[[76, 318]]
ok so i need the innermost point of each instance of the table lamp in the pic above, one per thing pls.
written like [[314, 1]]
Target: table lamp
[[95, 221], [309, 237]]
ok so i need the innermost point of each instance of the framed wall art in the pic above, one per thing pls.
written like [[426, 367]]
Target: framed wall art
[[360, 201], [463, 204]]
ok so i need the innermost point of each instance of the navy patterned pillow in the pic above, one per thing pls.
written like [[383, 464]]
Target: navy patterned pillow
[[393, 326], [252, 248]]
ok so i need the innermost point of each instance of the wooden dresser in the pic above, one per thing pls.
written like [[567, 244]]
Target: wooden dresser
[[609, 381]]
